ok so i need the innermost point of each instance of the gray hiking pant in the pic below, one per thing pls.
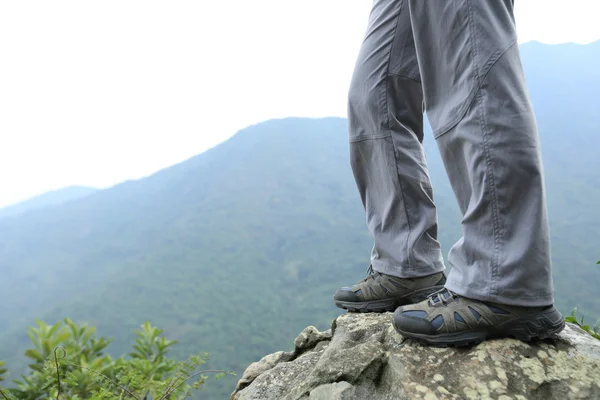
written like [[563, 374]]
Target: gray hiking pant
[[459, 61]]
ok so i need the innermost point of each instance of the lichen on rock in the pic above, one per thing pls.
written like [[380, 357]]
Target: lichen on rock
[[362, 357]]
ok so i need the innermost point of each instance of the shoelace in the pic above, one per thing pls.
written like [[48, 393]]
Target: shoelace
[[441, 296], [370, 273]]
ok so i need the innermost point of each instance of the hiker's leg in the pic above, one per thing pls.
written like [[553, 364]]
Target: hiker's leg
[[385, 116], [479, 107]]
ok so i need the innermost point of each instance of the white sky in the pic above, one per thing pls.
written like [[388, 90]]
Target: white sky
[[97, 92]]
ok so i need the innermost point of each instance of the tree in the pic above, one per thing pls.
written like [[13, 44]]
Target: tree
[[68, 362]]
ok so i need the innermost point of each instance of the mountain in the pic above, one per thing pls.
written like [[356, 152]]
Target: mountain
[[564, 84], [237, 249], [49, 199], [219, 251]]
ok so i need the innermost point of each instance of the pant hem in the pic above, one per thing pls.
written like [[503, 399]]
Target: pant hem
[[405, 272], [507, 296]]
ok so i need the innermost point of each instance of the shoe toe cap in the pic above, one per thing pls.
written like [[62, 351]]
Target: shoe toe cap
[[346, 294], [413, 321]]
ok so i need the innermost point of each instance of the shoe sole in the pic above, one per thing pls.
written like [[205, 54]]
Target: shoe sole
[[385, 305], [543, 325]]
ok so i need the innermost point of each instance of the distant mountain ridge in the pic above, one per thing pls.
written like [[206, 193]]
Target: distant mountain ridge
[[236, 250], [48, 199]]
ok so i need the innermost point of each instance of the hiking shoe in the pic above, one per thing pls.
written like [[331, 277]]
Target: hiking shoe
[[380, 292], [447, 319]]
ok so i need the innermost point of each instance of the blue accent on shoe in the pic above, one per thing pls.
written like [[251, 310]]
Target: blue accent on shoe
[[384, 289], [437, 322], [415, 313], [497, 310], [475, 314], [459, 318], [358, 292], [398, 285]]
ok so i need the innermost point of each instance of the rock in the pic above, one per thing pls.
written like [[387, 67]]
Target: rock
[[362, 357], [309, 337], [307, 340], [332, 391], [257, 368]]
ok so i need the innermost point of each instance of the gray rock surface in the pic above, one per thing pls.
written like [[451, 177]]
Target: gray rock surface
[[362, 357]]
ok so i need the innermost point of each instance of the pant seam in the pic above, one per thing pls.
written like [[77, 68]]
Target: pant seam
[[400, 75], [438, 133], [491, 182], [371, 137], [494, 197], [388, 126]]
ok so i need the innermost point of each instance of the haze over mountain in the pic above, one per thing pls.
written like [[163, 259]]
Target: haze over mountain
[[236, 250], [49, 199]]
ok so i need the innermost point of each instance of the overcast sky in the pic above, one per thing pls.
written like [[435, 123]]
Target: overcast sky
[[96, 92]]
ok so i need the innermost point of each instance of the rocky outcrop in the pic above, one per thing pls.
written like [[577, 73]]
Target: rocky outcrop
[[362, 357]]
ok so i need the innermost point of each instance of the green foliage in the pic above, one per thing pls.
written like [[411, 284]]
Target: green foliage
[[594, 331], [69, 363], [2, 371]]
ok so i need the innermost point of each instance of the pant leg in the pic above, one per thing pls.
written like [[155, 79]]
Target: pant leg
[[385, 113], [479, 107]]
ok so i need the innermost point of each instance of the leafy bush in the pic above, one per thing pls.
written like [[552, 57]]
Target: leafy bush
[[594, 331], [2, 371], [68, 362]]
